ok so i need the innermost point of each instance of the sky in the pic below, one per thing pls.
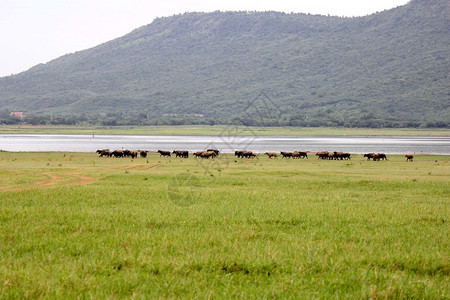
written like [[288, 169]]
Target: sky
[[37, 31]]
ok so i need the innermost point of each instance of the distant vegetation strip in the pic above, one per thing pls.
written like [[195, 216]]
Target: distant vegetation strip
[[221, 129]]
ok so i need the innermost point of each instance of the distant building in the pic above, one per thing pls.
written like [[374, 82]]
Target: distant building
[[17, 114]]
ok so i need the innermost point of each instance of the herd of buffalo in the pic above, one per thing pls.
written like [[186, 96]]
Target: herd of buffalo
[[212, 153]]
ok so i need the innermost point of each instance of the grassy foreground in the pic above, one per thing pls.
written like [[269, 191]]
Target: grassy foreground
[[221, 129], [75, 226]]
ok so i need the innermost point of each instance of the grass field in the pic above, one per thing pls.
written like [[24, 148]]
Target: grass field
[[220, 129], [73, 225]]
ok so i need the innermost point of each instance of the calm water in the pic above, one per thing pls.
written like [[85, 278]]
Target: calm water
[[353, 144]]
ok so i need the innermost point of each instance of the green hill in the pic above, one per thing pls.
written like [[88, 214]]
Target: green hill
[[386, 69]]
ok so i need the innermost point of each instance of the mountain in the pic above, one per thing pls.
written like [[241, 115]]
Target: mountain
[[386, 69]]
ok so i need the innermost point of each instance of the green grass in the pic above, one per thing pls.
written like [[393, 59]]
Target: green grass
[[220, 129], [256, 228]]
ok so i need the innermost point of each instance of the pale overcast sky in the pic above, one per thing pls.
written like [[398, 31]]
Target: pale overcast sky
[[37, 31]]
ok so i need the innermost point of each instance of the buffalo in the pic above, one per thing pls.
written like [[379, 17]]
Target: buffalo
[[346, 156], [117, 153], [181, 153], [126, 153], [249, 154], [104, 152], [369, 155], [376, 156], [214, 150], [163, 153], [205, 154], [295, 154], [208, 154], [382, 156], [130, 153], [286, 154], [134, 154], [239, 153], [409, 157], [198, 153], [342, 155], [299, 154], [332, 155], [323, 155], [302, 154], [271, 154]]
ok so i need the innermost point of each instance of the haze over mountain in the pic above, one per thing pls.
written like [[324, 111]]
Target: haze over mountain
[[386, 69]]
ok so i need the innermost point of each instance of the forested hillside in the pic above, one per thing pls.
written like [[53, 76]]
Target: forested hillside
[[387, 69]]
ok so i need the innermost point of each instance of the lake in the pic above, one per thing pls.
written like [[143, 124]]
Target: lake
[[226, 143]]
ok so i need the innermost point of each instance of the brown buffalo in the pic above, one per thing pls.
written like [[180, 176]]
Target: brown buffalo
[[249, 154], [295, 154], [198, 153], [143, 153], [214, 150], [322, 154], [409, 157], [205, 154], [332, 156], [208, 154], [104, 152], [376, 157], [271, 154]]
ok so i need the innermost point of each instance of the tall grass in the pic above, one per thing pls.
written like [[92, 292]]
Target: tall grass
[[255, 229]]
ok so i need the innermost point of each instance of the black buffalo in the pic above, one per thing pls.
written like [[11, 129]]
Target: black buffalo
[[299, 154], [163, 153], [286, 154], [181, 153]]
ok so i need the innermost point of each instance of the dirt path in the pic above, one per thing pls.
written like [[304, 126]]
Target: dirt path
[[83, 179], [53, 179], [70, 178], [139, 167]]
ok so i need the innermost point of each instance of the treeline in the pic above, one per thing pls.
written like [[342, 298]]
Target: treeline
[[142, 119]]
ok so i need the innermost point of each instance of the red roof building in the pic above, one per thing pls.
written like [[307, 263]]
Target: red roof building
[[17, 114]]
